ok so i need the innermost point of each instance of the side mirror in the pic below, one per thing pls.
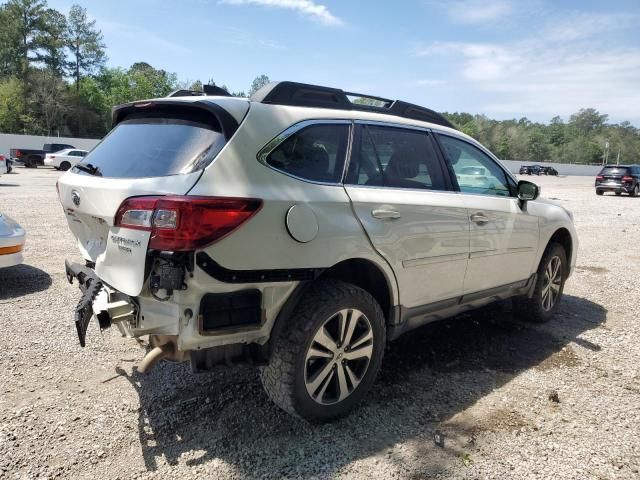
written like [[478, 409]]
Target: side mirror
[[527, 191]]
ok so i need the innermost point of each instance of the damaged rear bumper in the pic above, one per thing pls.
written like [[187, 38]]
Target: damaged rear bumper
[[101, 301]]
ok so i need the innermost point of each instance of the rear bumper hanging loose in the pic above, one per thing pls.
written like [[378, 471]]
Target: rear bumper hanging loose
[[90, 285]]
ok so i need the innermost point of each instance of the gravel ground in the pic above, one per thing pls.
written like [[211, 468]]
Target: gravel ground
[[486, 381]]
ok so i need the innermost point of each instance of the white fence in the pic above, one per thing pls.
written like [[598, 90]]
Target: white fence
[[562, 168], [9, 141]]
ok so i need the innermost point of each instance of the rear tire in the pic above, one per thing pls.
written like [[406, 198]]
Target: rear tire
[[635, 191], [552, 273], [599, 192], [618, 193], [329, 353], [64, 166]]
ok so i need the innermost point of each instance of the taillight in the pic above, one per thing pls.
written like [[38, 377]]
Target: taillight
[[627, 178], [599, 177], [184, 223], [18, 153]]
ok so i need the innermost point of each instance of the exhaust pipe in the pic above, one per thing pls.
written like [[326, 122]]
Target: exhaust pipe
[[164, 348], [154, 356]]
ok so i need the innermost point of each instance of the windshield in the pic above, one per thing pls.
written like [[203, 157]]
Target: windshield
[[154, 147]]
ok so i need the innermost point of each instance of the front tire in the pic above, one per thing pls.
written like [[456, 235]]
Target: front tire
[[327, 358], [547, 293]]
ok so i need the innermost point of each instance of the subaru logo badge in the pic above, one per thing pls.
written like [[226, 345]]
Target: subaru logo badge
[[75, 196]]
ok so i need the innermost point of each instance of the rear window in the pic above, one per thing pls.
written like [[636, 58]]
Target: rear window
[[157, 145], [614, 171]]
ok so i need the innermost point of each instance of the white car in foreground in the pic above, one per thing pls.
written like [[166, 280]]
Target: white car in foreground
[[12, 237], [300, 231], [64, 159]]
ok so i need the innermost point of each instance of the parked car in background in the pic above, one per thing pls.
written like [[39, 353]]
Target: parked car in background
[[619, 179], [33, 158], [64, 159], [537, 170], [530, 170], [6, 163], [300, 231], [3, 165], [12, 238]]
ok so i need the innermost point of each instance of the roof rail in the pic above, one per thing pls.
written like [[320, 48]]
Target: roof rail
[[207, 90], [305, 95]]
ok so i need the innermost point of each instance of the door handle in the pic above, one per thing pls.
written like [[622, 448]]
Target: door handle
[[385, 214], [479, 218]]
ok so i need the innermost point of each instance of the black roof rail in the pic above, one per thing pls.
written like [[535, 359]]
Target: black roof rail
[[305, 95], [207, 90]]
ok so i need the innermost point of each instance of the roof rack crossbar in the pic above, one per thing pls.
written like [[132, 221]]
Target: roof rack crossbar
[[386, 101], [207, 90], [305, 95]]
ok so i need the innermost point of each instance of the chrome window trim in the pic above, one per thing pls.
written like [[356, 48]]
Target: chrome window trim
[[381, 123], [276, 141]]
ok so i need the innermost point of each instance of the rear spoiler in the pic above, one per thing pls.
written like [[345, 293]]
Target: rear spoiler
[[228, 124]]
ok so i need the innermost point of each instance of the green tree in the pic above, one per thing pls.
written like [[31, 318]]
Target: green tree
[[11, 105], [537, 146], [86, 45], [49, 100], [258, 82], [29, 23], [53, 41], [587, 121], [10, 48], [503, 149], [557, 132]]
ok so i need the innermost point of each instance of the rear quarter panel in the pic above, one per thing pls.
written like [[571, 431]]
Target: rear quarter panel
[[264, 242]]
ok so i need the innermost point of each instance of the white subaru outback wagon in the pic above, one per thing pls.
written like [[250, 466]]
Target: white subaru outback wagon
[[300, 231]]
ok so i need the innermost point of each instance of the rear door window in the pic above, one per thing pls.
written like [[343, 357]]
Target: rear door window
[[149, 145], [395, 157], [315, 153]]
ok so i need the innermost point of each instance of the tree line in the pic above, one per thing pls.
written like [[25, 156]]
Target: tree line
[[54, 81], [53, 75], [586, 138]]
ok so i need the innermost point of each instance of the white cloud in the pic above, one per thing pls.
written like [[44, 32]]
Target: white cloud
[[558, 71], [308, 8], [477, 11], [138, 36], [426, 82], [244, 38], [585, 25]]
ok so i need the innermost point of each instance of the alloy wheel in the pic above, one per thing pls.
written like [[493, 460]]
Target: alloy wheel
[[338, 357], [552, 283]]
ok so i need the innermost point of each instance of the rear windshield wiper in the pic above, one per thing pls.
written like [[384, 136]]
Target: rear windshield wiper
[[88, 168]]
